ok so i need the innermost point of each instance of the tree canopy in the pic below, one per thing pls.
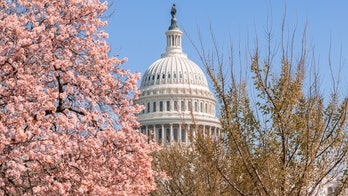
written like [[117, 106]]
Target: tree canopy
[[281, 136], [67, 119]]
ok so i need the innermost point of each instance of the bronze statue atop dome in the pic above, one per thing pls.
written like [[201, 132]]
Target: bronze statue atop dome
[[173, 11], [173, 24]]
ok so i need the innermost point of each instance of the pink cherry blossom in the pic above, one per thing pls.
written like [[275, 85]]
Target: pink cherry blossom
[[68, 124]]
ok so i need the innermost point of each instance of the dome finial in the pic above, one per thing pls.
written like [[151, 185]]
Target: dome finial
[[173, 24], [173, 11]]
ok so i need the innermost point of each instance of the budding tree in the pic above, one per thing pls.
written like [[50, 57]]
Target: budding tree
[[281, 136], [67, 120]]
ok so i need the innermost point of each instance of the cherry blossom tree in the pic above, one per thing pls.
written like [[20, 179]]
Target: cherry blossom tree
[[68, 125]]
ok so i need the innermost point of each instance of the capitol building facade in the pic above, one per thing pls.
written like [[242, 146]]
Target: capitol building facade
[[175, 93]]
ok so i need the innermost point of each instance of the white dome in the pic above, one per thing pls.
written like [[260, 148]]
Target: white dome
[[174, 70]]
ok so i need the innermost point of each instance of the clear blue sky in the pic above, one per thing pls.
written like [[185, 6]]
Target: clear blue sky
[[136, 29]]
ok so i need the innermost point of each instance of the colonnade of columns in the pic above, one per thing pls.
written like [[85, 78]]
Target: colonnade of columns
[[170, 133]]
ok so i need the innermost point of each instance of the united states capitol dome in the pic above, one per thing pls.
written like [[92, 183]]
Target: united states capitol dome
[[174, 70], [176, 95]]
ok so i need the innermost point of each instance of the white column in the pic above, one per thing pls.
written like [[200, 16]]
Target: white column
[[155, 132], [179, 133], [147, 133], [215, 131], [188, 132], [171, 133], [163, 135]]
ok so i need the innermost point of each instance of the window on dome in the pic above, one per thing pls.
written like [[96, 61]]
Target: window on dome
[[154, 106], [206, 108], [169, 75], [175, 134], [157, 77], [174, 75], [330, 191], [168, 135], [183, 136], [180, 75], [153, 77], [182, 105], [168, 105], [161, 106], [148, 107], [175, 106], [196, 106], [201, 107], [160, 135], [189, 106], [163, 76]]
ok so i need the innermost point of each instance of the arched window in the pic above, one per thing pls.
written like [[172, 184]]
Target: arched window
[[175, 134], [175, 106], [196, 106], [201, 107], [160, 135], [161, 106], [330, 190], [168, 135], [168, 105], [206, 108], [148, 108], [154, 106], [182, 105], [183, 136]]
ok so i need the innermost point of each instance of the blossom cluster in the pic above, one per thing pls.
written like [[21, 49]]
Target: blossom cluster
[[68, 125]]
